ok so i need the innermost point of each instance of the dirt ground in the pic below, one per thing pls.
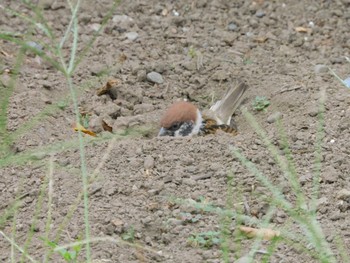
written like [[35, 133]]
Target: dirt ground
[[199, 48]]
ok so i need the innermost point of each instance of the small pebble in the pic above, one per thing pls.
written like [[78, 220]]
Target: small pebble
[[260, 13], [45, 84], [149, 162], [319, 69], [343, 194], [274, 117], [121, 18], [155, 77], [232, 26], [330, 175], [347, 82], [312, 111], [34, 45], [132, 36], [38, 156]]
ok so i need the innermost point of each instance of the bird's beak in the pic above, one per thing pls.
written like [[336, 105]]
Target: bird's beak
[[163, 132]]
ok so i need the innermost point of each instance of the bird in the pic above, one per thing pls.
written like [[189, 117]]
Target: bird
[[185, 119]]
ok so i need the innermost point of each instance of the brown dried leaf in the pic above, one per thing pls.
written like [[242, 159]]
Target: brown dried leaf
[[105, 88], [301, 29], [122, 58], [106, 127], [81, 128], [265, 233], [261, 39]]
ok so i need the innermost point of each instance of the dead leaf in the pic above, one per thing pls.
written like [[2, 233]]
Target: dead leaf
[[260, 39], [301, 29], [81, 128], [122, 58], [106, 127], [265, 233], [3, 52], [106, 88], [165, 12]]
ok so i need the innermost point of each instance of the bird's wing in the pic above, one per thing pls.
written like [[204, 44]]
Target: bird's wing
[[223, 109]]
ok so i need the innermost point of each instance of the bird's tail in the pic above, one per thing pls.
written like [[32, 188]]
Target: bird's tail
[[223, 109]]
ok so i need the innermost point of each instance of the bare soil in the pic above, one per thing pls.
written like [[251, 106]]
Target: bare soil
[[200, 48]]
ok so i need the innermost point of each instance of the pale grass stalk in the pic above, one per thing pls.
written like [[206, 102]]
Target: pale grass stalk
[[107, 239], [49, 203], [13, 243]]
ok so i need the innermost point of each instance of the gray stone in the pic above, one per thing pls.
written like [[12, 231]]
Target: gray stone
[[34, 45], [232, 27], [132, 36], [38, 155], [330, 175], [260, 13], [155, 77], [148, 162], [121, 18], [319, 69], [274, 117], [343, 194]]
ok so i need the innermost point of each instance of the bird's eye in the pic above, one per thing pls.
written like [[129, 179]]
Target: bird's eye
[[175, 126]]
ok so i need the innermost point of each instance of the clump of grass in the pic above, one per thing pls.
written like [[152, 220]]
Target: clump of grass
[[260, 103], [301, 213], [67, 255], [205, 239], [52, 53]]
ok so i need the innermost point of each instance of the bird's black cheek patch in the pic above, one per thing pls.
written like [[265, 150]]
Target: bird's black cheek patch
[[185, 129]]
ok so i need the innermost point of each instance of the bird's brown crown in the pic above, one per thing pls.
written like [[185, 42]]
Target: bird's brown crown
[[181, 111]]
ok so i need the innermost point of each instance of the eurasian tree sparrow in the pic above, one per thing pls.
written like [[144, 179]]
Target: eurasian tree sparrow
[[184, 119]]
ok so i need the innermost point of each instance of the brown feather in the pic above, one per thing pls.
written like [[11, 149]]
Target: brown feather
[[211, 127], [179, 112], [223, 109]]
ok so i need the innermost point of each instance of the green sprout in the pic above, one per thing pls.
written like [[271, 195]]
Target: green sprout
[[206, 239], [68, 256], [260, 103], [192, 52]]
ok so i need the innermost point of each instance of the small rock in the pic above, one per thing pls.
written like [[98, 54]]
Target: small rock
[[34, 45], [175, 222], [95, 26], [58, 5], [38, 156], [330, 175], [190, 65], [96, 69], [121, 123], [220, 75], [232, 26], [319, 69], [95, 124], [274, 117], [189, 182], [132, 36], [121, 18], [141, 75], [155, 77], [260, 13], [45, 84], [343, 206], [148, 162], [143, 108], [347, 82], [343, 194], [312, 111], [321, 201]]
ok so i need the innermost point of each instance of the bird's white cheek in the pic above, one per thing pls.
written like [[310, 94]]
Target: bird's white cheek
[[177, 134]]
